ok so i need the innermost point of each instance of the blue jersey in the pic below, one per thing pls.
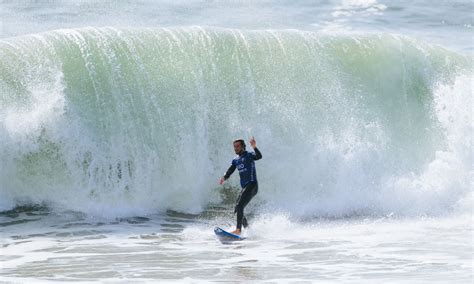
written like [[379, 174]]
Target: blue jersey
[[245, 164]]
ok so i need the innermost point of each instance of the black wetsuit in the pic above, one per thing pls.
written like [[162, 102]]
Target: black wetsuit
[[245, 163]]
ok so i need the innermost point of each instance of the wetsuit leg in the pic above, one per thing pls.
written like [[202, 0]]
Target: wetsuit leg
[[245, 196]]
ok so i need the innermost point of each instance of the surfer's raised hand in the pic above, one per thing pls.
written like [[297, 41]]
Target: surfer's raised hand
[[221, 181], [252, 142]]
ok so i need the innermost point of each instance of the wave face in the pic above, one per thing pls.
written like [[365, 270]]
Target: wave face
[[133, 121]]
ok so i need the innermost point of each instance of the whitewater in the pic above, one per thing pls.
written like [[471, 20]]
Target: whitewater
[[114, 135]]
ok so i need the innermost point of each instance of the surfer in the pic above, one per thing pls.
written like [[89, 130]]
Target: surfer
[[244, 162]]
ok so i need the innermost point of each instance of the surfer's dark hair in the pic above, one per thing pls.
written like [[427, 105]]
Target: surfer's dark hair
[[241, 141]]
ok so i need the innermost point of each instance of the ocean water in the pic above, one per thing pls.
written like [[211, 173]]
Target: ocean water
[[116, 122]]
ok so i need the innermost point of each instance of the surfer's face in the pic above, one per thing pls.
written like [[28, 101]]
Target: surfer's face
[[238, 148]]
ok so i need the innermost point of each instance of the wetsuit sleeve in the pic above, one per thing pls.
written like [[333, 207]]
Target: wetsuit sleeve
[[257, 155], [229, 171]]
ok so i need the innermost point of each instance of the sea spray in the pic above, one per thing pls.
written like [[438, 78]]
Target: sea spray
[[117, 122]]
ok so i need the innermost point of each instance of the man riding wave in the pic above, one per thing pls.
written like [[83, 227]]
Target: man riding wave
[[245, 164]]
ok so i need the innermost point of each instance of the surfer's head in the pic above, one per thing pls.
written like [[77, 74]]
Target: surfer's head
[[239, 146]]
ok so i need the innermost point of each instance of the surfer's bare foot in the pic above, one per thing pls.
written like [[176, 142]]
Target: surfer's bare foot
[[236, 232]]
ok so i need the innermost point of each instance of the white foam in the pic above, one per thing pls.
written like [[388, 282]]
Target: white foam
[[151, 135]]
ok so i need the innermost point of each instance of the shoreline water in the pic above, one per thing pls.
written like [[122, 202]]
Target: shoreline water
[[67, 248]]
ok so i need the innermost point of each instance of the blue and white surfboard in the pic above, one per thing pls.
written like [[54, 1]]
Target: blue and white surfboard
[[225, 236]]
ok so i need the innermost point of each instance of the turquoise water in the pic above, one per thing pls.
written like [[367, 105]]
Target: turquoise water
[[116, 122]]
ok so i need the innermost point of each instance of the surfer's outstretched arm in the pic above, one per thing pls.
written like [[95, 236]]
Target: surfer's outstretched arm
[[227, 174], [253, 143], [230, 170], [258, 155]]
